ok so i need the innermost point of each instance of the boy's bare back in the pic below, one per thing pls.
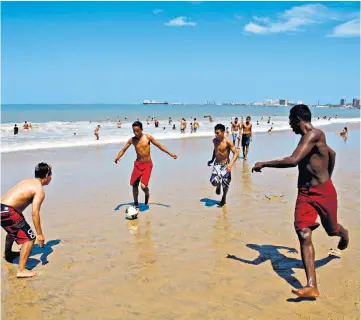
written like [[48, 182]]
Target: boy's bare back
[[22, 194]]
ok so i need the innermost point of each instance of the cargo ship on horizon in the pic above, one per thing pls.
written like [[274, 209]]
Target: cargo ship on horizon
[[154, 102]]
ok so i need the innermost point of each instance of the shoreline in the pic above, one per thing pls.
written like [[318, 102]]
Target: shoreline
[[94, 143], [170, 104]]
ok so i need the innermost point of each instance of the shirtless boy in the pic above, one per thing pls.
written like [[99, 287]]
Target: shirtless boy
[[183, 125], [13, 203], [316, 194], [143, 165], [246, 136], [221, 173], [196, 125], [96, 131], [235, 130]]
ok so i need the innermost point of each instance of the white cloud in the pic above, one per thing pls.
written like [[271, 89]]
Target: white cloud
[[261, 19], [255, 28], [294, 19], [347, 29], [314, 11], [156, 11], [181, 22]]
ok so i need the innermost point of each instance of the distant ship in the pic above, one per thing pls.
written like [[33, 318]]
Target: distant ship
[[154, 102]]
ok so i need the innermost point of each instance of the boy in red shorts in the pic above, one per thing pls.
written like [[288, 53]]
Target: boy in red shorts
[[316, 194], [13, 203], [143, 165]]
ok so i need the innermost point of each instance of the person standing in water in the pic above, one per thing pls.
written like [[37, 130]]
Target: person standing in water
[[246, 136], [344, 132], [316, 193], [183, 125], [13, 203], [143, 165], [16, 130], [235, 130], [195, 125], [96, 131]]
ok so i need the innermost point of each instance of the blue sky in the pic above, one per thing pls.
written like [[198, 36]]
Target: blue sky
[[125, 52]]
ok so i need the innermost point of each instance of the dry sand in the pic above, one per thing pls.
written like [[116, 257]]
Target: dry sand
[[171, 263]]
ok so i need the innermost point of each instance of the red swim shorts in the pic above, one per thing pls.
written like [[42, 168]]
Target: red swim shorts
[[317, 201], [141, 170], [15, 225]]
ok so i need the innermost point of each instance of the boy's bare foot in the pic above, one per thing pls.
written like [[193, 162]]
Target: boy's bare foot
[[306, 292], [342, 245], [26, 274]]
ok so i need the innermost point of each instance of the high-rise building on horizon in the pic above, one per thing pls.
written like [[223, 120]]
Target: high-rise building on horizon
[[343, 102], [283, 102], [356, 102]]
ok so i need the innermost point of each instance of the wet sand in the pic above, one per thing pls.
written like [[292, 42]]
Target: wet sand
[[171, 263]]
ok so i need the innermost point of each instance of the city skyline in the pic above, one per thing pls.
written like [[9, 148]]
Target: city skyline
[[126, 52]]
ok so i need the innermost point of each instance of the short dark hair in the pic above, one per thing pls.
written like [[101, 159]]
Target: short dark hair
[[137, 124], [220, 126], [42, 170], [195, 119], [302, 112]]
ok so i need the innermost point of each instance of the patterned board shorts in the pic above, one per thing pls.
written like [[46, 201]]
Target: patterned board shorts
[[220, 175]]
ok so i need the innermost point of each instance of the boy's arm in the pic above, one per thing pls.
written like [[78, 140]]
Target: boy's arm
[[331, 161], [305, 146], [213, 157], [121, 152], [37, 201], [160, 146], [235, 154]]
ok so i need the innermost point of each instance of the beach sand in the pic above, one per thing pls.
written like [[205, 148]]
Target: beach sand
[[171, 263]]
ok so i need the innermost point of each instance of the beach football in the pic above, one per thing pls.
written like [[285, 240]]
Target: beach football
[[131, 213]]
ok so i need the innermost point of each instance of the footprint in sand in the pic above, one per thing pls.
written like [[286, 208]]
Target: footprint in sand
[[276, 197]]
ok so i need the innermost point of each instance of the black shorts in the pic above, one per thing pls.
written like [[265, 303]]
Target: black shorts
[[15, 225], [246, 139]]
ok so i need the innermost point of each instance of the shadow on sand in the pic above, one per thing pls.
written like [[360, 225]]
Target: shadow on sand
[[45, 252], [281, 264], [210, 202]]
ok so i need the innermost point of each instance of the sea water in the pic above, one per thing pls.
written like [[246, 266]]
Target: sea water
[[56, 126]]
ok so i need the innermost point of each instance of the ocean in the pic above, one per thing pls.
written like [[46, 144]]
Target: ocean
[[54, 125]]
